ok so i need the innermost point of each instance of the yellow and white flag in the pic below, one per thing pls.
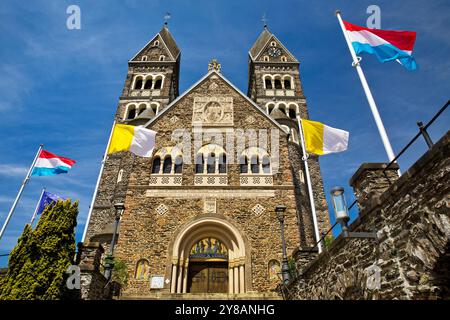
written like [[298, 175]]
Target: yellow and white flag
[[137, 140], [321, 139]]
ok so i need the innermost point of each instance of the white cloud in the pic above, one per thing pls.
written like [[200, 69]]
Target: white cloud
[[11, 170]]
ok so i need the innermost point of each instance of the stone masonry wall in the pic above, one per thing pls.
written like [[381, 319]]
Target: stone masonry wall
[[412, 219]]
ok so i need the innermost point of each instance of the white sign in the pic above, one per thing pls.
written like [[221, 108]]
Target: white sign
[[157, 282]]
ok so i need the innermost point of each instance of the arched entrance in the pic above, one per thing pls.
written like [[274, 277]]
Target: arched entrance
[[208, 267], [209, 256]]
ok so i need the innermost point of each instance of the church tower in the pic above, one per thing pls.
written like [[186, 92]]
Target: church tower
[[275, 85]]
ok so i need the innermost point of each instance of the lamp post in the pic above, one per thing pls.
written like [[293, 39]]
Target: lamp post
[[120, 207], [280, 209], [342, 216]]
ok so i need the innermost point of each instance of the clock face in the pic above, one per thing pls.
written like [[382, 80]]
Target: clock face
[[274, 52]]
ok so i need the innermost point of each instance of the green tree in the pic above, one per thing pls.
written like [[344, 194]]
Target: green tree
[[37, 265]]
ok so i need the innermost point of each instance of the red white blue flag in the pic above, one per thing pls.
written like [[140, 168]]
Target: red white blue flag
[[49, 164], [386, 45]]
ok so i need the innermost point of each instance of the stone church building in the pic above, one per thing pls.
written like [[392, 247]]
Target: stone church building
[[200, 214]]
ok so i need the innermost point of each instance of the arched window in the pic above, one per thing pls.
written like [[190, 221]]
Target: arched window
[[254, 164], [273, 44], [138, 83], [141, 109], [131, 113], [148, 83], [119, 176], [282, 108], [292, 113], [278, 84], [167, 166], [178, 164], [142, 270], [270, 108], [283, 59], [154, 107], [268, 83], [223, 163], [144, 58], [266, 164], [156, 43], [287, 84], [265, 58], [156, 166], [199, 163], [158, 83], [211, 165], [161, 58], [243, 161]]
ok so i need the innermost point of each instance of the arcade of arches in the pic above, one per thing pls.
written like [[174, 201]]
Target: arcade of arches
[[209, 256]]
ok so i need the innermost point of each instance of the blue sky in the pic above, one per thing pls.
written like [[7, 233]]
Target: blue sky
[[61, 87]]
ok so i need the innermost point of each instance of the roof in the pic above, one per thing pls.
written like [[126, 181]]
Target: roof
[[263, 41], [168, 40], [278, 114], [260, 42]]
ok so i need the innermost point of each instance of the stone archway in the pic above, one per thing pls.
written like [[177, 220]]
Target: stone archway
[[218, 228]]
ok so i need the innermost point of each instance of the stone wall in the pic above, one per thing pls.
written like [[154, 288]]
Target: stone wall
[[411, 259]]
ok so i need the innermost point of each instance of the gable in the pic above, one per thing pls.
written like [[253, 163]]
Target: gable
[[153, 50], [274, 51], [215, 102]]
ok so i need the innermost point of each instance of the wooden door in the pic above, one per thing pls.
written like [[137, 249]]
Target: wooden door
[[208, 277]]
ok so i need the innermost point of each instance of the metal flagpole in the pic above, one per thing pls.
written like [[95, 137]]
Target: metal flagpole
[[24, 183], [373, 106], [308, 181], [37, 207], [91, 207]]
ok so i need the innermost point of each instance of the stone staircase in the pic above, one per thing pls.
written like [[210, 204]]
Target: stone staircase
[[205, 296]]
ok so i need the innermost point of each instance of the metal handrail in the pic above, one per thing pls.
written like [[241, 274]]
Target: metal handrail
[[422, 131]]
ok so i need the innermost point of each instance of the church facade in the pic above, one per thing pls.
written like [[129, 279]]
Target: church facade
[[200, 213]]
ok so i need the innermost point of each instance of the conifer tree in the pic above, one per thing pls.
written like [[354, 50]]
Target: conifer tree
[[37, 265]]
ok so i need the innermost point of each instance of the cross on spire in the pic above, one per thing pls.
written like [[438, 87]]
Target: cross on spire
[[166, 18], [264, 20]]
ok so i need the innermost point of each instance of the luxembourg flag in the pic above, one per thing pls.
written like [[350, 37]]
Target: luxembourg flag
[[49, 164], [386, 45]]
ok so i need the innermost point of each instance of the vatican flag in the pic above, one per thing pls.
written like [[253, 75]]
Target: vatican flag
[[321, 139], [137, 140]]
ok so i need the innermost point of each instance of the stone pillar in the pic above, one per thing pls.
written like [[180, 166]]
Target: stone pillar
[[241, 279], [370, 181], [230, 279], [180, 276], [173, 283], [185, 275], [92, 280], [236, 279]]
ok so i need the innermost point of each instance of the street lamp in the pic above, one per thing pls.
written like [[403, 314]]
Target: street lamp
[[342, 216], [280, 210], [120, 207]]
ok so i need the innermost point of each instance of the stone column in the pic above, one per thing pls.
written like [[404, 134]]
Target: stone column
[[241, 278], [92, 280], [180, 276], [370, 181], [230, 278], [236, 279], [185, 275], [173, 283]]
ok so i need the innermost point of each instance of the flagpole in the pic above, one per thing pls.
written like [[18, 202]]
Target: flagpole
[[37, 207], [91, 207], [19, 194], [370, 99], [308, 181]]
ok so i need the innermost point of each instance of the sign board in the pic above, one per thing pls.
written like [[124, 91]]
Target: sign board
[[157, 282]]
